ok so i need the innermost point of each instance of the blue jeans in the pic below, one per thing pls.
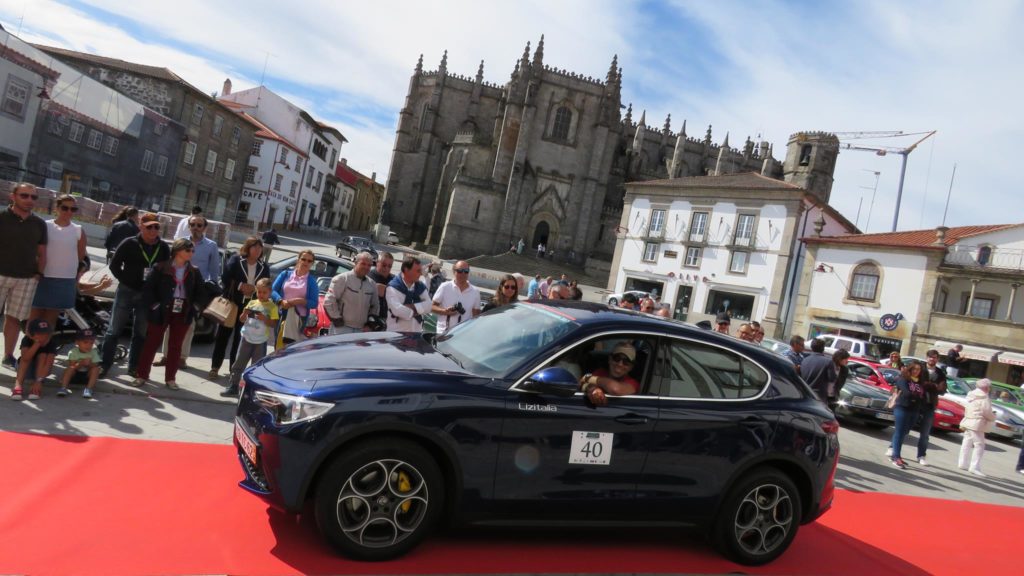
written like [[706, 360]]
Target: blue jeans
[[927, 417], [1020, 459], [905, 418], [126, 301]]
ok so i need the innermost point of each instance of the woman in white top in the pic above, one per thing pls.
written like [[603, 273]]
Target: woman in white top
[[65, 249]]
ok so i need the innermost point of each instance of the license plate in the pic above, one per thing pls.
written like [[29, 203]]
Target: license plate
[[247, 444], [885, 416], [858, 401]]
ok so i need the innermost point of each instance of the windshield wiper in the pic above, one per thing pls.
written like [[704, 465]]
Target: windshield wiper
[[452, 357]]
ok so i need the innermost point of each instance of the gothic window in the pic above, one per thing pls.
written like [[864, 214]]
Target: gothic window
[[864, 282], [423, 116], [563, 119], [805, 154]]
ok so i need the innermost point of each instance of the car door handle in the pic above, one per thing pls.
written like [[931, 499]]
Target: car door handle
[[631, 419]]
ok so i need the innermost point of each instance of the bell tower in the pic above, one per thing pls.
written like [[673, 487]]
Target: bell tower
[[811, 162]]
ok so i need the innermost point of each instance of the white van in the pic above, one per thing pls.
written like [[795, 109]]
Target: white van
[[856, 347]]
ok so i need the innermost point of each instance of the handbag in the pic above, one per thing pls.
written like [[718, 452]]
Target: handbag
[[222, 311], [893, 398]]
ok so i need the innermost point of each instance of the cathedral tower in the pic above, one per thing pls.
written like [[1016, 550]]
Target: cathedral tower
[[811, 162]]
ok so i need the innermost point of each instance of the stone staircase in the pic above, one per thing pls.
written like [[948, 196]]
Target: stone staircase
[[531, 266]]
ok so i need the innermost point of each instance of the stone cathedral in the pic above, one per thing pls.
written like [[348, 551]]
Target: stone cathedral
[[543, 158]]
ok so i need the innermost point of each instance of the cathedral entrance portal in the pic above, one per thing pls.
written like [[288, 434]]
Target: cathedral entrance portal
[[541, 235]]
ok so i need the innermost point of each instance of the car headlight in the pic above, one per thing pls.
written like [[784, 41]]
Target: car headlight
[[943, 412], [289, 409]]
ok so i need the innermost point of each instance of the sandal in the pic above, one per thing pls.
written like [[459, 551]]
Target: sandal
[[136, 383], [172, 384], [16, 394]]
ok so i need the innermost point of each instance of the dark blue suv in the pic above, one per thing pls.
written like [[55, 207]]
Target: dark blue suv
[[390, 433]]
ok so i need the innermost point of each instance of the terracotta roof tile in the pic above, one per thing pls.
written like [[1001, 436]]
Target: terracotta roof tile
[[740, 181], [911, 238]]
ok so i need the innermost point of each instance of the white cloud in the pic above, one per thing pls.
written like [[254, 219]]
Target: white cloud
[[746, 67]]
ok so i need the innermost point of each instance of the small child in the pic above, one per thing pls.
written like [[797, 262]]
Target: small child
[[83, 363], [258, 321], [37, 354]]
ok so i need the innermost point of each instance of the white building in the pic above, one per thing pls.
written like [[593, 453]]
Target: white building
[[319, 142], [714, 243], [917, 290], [23, 78], [272, 178]]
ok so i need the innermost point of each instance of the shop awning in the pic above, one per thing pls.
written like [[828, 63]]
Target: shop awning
[[1015, 358], [969, 352]]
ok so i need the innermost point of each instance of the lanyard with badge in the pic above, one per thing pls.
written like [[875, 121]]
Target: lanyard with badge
[[179, 303], [149, 258]]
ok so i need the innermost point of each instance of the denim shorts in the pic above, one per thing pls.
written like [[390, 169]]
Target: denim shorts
[[55, 293]]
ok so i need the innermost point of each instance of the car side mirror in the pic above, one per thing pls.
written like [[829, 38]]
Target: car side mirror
[[554, 381]]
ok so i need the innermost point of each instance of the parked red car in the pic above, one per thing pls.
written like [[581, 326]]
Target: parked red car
[[948, 414]]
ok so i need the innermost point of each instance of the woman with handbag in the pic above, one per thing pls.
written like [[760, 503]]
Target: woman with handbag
[[909, 397], [296, 293], [239, 279], [170, 296]]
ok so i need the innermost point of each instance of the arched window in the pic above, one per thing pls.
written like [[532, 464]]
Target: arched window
[[563, 119], [864, 282], [805, 154], [984, 255], [423, 116]]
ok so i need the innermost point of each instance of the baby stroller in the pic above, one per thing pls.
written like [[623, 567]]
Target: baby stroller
[[88, 313]]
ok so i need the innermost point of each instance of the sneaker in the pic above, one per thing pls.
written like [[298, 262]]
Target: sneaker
[[1021, 471], [899, 463], [978, 473], [212, 375], [86, 393], [172, 384], [964, 468], [16, 394], [888, 451], [230, 393], [63, 392], [160, 362], [33, 396], [10, 362], [921, 461]]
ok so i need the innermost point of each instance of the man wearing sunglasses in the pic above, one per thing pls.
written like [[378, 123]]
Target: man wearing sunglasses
[[615, 380], [132, 264], [22, 261], [456, 301], [183, 230], [205, 257]]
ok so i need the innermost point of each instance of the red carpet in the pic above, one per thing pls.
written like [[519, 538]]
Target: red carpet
[[108, 507]]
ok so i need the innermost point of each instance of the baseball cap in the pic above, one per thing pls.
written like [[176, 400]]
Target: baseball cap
[[149, 217], [627, 349], [85, 334], [39, 326]]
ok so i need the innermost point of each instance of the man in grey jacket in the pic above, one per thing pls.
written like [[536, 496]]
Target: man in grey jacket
[[352, 298]]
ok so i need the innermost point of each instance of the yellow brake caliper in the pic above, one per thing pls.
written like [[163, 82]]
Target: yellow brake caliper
[[404, 486]]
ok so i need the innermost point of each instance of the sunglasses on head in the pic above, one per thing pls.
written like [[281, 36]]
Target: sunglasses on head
[[25, 195], [151, 226], [67, 208], [462, 270], [622, 359]]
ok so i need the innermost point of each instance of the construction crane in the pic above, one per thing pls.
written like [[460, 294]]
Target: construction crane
[[884, 150]]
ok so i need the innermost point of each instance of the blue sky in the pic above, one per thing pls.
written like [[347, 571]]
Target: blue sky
[[757, 67]]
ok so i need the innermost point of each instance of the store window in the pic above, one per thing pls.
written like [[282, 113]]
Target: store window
[[741, 305]]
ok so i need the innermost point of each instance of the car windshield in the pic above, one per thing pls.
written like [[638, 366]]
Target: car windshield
[[496, 343], [957, 386], [1005, 395], [891, 375]]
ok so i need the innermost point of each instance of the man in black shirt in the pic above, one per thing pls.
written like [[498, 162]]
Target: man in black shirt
[[381, 274], [22, 261], [131, 265], [818, 370]]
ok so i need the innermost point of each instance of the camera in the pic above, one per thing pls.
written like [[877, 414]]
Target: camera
[[459, 308]]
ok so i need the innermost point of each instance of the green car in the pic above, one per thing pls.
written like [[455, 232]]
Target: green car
[[1011, 400]]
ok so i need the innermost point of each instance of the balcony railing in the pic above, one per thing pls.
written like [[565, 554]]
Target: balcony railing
[[1003, 259]]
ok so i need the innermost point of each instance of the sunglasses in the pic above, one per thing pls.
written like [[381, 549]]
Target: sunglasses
[[462, 270], [25, 196], [510, 287], [622, 359], [197, 226], [66, 208], [310, 260], [152, 226]]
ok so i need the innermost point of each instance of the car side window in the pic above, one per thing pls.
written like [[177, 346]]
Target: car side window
[[595, 355], [862, 371], [692, 370]]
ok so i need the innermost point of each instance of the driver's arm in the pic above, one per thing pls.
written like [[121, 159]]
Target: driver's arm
[[607, 384]]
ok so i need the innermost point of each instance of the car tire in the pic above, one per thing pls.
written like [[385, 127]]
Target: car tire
[[379, 499], [613, 301], [758, 519]]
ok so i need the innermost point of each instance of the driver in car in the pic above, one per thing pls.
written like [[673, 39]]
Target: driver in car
[[614, 380]]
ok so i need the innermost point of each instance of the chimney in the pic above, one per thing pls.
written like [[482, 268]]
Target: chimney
[[226, 91], [373, 178], [940, 236]]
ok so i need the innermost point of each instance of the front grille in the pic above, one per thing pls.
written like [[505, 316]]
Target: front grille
[[878, 404]]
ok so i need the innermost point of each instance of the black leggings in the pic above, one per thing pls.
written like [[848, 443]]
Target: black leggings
[[220, 345]]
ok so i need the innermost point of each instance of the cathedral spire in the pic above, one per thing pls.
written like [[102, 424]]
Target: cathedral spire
[[682, 131], [725, 143], [643, 119], [538, 55], [611, 77], [707, 137], [419, 65], [641, 132], [668, 124], [525, 60], [443, 69], [629, 115], [480, 73]]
